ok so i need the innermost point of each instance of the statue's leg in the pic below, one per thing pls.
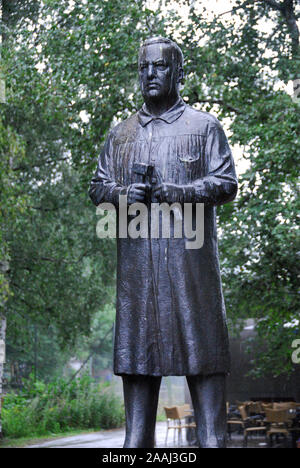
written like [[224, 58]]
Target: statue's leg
[[141, 399], [209, 401]]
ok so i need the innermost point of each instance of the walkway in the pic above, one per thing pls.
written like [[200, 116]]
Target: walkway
[[104, 439], [114, 439]]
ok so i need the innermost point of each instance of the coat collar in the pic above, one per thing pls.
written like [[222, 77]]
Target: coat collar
[[169, 116]]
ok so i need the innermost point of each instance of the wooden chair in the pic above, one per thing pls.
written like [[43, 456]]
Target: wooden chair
[[255, 408], [238, 420], [250, 425], [235, 419], [278, 420], [185, 411], [245, 404], [175, 420], [286, 405], [265, 406], [235, 422]]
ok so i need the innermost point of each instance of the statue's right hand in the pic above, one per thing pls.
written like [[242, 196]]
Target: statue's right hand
[[136, 193]]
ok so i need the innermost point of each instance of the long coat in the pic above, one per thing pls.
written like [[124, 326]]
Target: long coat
[[170, 317]]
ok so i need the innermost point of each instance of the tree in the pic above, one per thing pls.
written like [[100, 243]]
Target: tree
[[70, 68], [11, 206], [70, 72], [237, 66]]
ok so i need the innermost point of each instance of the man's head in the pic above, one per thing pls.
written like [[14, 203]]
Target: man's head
[[160, 69]]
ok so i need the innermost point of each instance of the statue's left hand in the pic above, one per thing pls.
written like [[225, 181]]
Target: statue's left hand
[[172, 193], [164, 193]]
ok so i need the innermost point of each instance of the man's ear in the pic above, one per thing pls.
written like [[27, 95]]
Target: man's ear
[[180, 75]]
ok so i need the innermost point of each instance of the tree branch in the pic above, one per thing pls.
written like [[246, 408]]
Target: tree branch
[[272, 3], [275, 5], [233, 10], [51, 260], [149, 25], [291, 21], [41, 208], [24, 167]]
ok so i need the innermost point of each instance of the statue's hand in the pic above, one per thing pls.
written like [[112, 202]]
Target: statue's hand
[[136, 193], [172, 193], [165, 193]]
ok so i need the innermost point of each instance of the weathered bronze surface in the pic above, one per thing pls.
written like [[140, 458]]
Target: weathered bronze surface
[[170, 311]]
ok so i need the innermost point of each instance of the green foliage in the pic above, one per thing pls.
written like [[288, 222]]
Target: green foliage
[[234, 67], [70, 68], [70, 74], [42, 409], [37, 351], [98, 347], [57, 263], [12, 203], [59, 272], [61, 61]]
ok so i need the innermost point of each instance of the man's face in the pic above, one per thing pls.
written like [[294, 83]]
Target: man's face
[[158, 72]]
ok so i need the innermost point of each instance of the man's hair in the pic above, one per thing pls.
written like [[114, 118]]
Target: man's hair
[[164, 40]]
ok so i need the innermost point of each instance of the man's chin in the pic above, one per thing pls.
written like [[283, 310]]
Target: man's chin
[[152, 94]]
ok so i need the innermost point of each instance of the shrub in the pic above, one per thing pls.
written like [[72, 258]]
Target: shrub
[[42, 409]]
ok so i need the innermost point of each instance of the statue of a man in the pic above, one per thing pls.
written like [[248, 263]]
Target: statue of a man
[[170, 310]]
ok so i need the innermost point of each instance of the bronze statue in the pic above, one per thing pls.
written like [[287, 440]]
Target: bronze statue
[[170, 310]]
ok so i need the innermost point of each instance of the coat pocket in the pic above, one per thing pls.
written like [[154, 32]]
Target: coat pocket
[[189, 158], [189, 167]]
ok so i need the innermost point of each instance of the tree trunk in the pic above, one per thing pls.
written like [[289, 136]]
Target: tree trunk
[[2, 359], [3, 264], [287, 9], [291, 21]]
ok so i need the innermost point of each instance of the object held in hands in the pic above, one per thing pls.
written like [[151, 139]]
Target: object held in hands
[[145, 173]]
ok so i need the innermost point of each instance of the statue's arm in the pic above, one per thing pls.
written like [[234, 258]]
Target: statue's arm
[[220, 185], [103, 187]]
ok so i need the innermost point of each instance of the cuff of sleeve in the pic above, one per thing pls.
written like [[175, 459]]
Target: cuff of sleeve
[[201, 195], [188, 194], [117, 191]]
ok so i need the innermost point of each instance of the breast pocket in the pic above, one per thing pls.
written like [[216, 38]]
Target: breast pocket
[[189, 166]]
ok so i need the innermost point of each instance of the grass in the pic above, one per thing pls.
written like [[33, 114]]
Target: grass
[[161, 416]]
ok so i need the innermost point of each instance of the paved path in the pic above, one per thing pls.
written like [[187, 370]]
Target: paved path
[[115, 438], [104, 439]]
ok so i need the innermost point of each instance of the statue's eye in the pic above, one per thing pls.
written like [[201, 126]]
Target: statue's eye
[[160, 66]]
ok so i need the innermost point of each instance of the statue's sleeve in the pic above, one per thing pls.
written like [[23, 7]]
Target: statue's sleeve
[[220, 184], [103, 188]]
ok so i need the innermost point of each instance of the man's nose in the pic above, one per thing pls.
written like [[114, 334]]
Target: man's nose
[[150, 71]]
